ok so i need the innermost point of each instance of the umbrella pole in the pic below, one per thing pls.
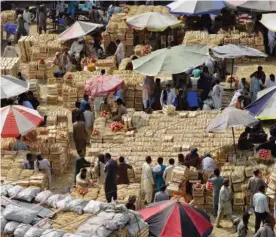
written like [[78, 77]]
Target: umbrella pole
[[232, 71], [233, 134]]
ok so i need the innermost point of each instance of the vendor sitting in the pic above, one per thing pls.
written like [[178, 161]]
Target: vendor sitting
[[82, 179], [104, 106], [77, 48], [121, 110], [257, 134], [244, 143]]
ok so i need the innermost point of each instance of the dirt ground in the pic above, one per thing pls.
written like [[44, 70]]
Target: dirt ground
[[62, 182]]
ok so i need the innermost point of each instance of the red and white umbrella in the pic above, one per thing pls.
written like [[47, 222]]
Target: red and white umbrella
[[17, 119], [101, 86]]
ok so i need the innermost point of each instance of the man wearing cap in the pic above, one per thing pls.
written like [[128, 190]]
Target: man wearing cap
[[225, 206]]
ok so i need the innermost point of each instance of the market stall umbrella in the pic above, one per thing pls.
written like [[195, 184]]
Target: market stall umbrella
[[153, 21], [253, 5], [264, 108], [79, 29], [230, 118], [171, 60], [11, 86], [17, 119], [269, 21], [195, 7], [100, 86], [177, 219]]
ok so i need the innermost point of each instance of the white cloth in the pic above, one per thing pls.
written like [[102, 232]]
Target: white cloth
[[208, 164], [88, 119], [271, 40], [76, 48], [224, 201], [235, 98], [68, 66], [260, 203], [270, 83], [120, 53], [44, 165], [210, 63], [167, 175], [10, 52], [217, 93], [147, 181], [27, 21], [170, 97]]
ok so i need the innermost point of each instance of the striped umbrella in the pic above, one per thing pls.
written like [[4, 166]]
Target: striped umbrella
[[177, 219], [17, 119]]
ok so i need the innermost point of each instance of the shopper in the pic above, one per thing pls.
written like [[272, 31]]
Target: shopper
[[89, 121], [19, 145], [79, 134], [167, 175], [147, 181], [122, 171], [10, 51], [110, 186], [162, 195]]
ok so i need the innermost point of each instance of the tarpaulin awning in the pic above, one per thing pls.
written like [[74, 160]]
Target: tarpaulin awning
[[153, 21], [195, 7], [177, 219], [17, 119], [12, 86], [253, 5], [269, 21], [171, 60], [230, 118], [264, 108], [236, 51], [103, 85], [79, 29]]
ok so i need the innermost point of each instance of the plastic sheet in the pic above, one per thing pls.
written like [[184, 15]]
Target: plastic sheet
[[16, 213]]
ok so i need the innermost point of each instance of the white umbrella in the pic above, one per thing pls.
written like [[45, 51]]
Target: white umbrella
[[230, 118], [253, 5], [171, 60], [153, 21], [269, 21], [79, 29], [11, 86], [195, 7]]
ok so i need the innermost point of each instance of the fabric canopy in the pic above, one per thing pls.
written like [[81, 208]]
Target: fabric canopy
[[11, 86], [153, 21], [100, 86], [253, 5], [195, 7], [17, 119], [236, 51], [171, 60], [264, 108], [177, 219], [79, 29], [230, 118], [269, 21]]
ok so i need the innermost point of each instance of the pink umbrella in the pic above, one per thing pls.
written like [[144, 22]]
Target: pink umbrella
[[101, 86], [17, 119]]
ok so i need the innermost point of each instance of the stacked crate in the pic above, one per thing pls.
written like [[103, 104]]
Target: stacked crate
[[237, 180], [198, 192], [52, 93], [9, 66]]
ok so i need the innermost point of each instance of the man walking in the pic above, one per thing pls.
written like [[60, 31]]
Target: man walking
[[260, 207], [79, 134], [147, 181], [110, 185]]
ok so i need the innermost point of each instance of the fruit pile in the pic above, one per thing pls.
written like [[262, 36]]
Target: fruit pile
[[116, 126], [104, 113], [88, 60], [95, 132], [82, 191]]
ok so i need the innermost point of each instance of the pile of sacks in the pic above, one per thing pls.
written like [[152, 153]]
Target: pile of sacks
[[107, 218]]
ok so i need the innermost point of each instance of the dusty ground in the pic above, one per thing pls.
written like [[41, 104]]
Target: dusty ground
[[62, 182]]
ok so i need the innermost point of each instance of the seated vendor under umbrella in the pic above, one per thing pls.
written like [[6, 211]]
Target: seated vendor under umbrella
[[244, 143], [257, 134], [121, 110]]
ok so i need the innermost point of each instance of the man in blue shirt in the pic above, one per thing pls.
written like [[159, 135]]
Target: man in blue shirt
[[84, 102]]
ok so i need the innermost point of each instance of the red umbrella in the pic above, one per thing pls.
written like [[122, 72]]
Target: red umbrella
[[176, 219], [17, 119], [103, 85]]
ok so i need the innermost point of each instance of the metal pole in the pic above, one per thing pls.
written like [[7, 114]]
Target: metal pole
[[233, 134], [232, 71]]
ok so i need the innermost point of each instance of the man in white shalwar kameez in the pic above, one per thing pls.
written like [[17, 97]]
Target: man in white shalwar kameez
[[147, 181], [27, 19], [76, 48], [120, 52], [43, 165], [224, 205], [271, 41], [217, 95]]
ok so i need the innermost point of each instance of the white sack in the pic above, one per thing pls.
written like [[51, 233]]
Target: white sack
[[12, 192], [4, 189], [52, 201], [3, 223], [93, 207], [34, 232], [21, 230], [28, 194], [43, 196], [76, 205], [10, 227], [71, 235], [52, 233], [64, 202], [20, 214]]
